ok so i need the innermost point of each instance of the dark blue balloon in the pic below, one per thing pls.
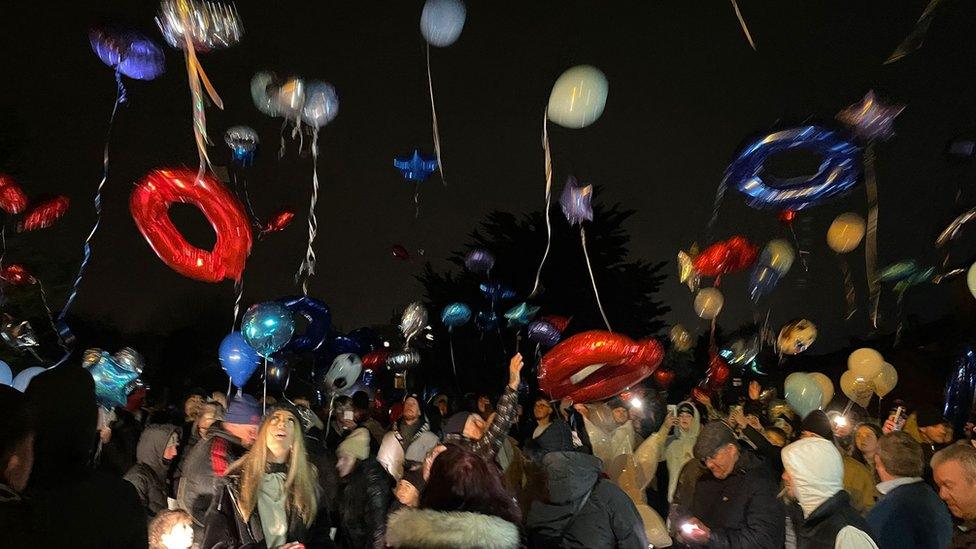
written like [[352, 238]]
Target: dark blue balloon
[[838, 173], [130, 53], [342, 344], [455, 314], [544, 333], [415, 168], [961, 390], [762, 281], [495, 292], [367, 339], [318, 319], [479, 261], [238, 359]]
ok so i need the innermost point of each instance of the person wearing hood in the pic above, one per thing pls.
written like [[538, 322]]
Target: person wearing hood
[[363, 494], [814, 478], [733, 503], [462, 506], [583, 509], [409, 435], [269, 497], [73, 505], [470, 431], [610, 429], [909, 514], [225, 443], [679, 448], [858, 479], [16, 461], [156, 449]]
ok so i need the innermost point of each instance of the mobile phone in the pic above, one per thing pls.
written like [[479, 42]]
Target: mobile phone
[[348, 415], [673, 409], [899, 416]]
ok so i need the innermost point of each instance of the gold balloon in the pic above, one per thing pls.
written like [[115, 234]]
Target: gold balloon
[[826, 385], [971, 279], [886, 380], [680, 338], [779, 255], [290, 98], [865, 363], [857, 388], [578, 97], [845, 233], [796, 336], [708, 303]]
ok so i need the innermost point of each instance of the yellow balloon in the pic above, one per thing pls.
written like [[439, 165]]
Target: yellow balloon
[[845, 233], [578, 97], [865, 363], [779, 255], [826, 385], [708, 303], [971, 279], [680, 338], [291, 98], [856, 388], [886, 380]]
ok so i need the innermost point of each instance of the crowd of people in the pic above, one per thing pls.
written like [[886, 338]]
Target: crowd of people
[[474, 471]]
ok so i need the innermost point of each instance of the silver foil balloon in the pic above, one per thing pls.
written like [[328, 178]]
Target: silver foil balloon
[[130, 359], [18, 335], [290, 98], [321, 104], [441, 21], [413, 321], [264, 92], [242, 140], [742, 350], [211, 25], [403, 360]]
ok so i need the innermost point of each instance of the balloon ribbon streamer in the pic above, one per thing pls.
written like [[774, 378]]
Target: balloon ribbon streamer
[[433, 116], [548, 164], [196, 76], [871, 238], [589, 268], [850, 294], [308, 265], [742, 23]]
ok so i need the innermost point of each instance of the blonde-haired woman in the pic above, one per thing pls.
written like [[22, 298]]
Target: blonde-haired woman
[[268, 497]]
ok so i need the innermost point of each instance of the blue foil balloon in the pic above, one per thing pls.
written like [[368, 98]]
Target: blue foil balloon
[[415, 168], [543, 333], [576, 202], [838, 173], [441, 21], [6, 376], [238, 359], [112, 382], [455, 315], [961, 390], [366, 338], [129, 53], [762, 281], [495, 292], [521, 314], [318, 318], [479, 261], [24, 377], [267, 327]]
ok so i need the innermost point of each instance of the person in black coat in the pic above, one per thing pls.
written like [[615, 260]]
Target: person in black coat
[[363, 496], [733, 503], [547, 433], [909, 513], [16, 460], [72, 505], [156, 449]]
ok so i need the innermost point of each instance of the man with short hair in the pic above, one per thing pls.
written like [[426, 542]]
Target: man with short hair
[[408, 440], [954, 468], [930, 429], [909, 514], [734, 502]]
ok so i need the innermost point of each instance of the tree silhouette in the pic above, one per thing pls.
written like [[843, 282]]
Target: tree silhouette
[[627, 288]]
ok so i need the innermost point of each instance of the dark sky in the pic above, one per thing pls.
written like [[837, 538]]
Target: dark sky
[[685, 91]]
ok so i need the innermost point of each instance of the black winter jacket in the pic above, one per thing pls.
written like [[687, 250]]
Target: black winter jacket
[[362, 501], [584, 509], [227, 529], [148, 475], [207, 461], [741, 510], [819, 530]]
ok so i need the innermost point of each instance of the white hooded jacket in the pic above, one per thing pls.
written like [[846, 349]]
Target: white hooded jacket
[[679, 449]]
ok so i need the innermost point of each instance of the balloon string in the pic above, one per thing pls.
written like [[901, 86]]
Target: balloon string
[[850, 294], [433, 117], [548, 164], [281, 149], [264, 398], [50, 317], [871, 238], [416, 200], [716, 205], [901, 321], [196, 77], [308, 265], [742, 23], [589, 267], [800, 251], [73, 294], [239, 292], [240, 183], [230, 385], [453, 363]]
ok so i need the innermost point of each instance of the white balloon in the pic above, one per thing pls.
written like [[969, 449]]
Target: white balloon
[[578, 97], [321, 104], [441, 21], [971, 279], [708, 303], [344, 371], [264, 89]]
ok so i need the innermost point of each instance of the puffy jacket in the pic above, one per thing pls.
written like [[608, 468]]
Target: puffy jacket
[[583, 509], [148, 475], [227, 529], [429, 529], [816, 470], [208, 460], [741, 510], [859, 484], [362, 501], [394, 447], [488, 445]]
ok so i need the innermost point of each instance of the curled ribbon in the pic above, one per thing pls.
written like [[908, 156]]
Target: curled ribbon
[[548, 164], [197, 76]]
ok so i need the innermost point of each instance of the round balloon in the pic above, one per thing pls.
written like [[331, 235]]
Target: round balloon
[[543, 333], [441, 21], [413, 321], [845, 232], [130, 53], [13, 200], [321, 104], [318, 322], [796, 336], [267, 327], [479, 261], [242, 141], [264, 90], [762, 281], [344, 372], [238, 359], [865, 363], [578, 97], [24, 377], [803, 393], [856, 388], [778, 255], [6, 376], [708, 303], [290, 98], [681, 340], [455, 315], [826, 386], [971, 279], [886, 380]]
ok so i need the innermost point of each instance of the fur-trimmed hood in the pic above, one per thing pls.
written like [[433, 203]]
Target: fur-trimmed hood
[[416, 528]]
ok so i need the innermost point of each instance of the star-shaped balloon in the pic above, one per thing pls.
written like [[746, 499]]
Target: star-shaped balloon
[[871, 119], [575, 202], [19, 335], [494, 292], [686, 270], [417, 167], [521, 314], [112, 381]]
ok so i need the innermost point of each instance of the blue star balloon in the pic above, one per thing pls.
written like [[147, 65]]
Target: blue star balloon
[[416, 168], [112, 382], [521, 314], [575, 202], [871, 119], [494, 291]]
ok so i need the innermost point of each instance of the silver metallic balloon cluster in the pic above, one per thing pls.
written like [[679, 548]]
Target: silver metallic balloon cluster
[[313, 102], [211, 25]]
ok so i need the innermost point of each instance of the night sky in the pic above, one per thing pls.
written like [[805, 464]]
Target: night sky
[[686, 91]]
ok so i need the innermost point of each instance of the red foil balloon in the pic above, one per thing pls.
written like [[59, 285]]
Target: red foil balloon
[[400, 252], [663, 378], [786, 217], [718, 372], [281, 219], [729, 256], [150, 202], [558, 322], [597, 365], [16, 275], [12, 197], [43, 214], [375, 360]]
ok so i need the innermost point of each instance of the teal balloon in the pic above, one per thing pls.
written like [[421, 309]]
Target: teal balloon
[[455, 315], [521, 314], [803, 393], [267, 327], [112, 382]]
